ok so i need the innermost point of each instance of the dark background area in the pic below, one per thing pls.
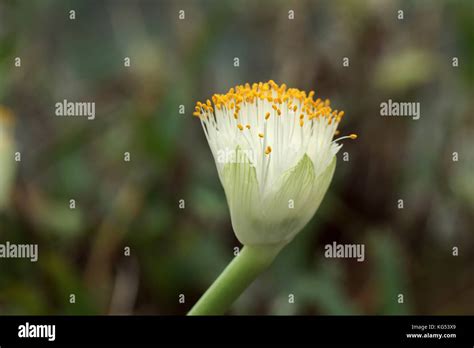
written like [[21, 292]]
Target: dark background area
[[177, 62]]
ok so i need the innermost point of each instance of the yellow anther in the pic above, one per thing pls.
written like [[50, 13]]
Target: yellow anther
[[240, 126], [260, 135], [268, 150], [247, 126], [270, 94], [353, 136]]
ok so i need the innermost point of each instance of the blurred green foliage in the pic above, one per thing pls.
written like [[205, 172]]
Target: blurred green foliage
[[176, 62]]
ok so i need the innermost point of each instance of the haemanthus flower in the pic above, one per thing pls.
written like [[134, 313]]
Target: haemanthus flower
[[275, 153], [275, 150]]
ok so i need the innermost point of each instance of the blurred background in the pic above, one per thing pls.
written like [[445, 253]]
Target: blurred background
[[135, 206]]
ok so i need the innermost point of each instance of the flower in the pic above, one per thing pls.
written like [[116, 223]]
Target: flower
[[7, 164], [275, 155]]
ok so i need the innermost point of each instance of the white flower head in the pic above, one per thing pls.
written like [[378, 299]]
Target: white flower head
[[275, 155]]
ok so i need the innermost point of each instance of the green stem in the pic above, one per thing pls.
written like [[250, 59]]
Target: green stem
[[238, 275]]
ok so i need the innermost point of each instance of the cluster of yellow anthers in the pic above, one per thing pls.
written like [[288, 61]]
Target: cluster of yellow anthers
[[248, 107], [294, 98]]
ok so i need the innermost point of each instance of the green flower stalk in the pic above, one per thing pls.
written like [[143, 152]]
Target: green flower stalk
[[275, 156]]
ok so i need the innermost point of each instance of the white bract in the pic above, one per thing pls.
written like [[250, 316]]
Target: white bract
[[275, 156]]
